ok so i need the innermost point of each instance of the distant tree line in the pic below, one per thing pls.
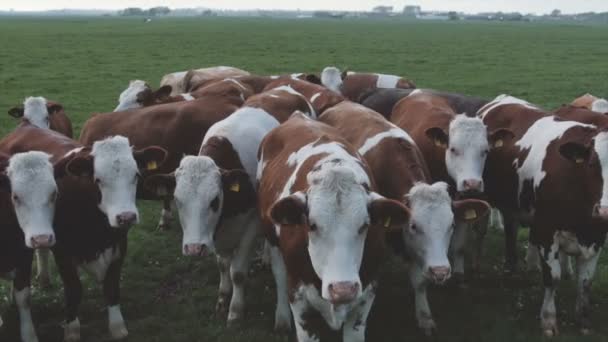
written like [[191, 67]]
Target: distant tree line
[[152, 12]]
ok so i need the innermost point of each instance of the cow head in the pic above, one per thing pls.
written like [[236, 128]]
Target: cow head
[[203, 194], [337, 211], [29, 178], [331, 78], [147, 97], [467, 145], [36, 110], [115, 169], [129, 98], [428, 234]]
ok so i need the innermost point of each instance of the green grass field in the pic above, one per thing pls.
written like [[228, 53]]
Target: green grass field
[[85, 63]]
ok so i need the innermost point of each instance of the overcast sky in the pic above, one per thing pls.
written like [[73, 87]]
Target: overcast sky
[[536, 6]]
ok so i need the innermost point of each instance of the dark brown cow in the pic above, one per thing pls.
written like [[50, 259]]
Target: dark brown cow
[[45, 114], [177, 127], [383, 100], [401, 174], [281, 102], [591, 102], [216, 196], [320, 97], [326, 228], [551, 175], [454, 146], [354, 84], [93, 206]]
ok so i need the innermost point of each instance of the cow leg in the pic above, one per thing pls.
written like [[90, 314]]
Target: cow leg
[[586, 266], [457, 251], [481, 229], [299, 307], [42, 265], [423, 311], [165, 215], [533, 258], [354, 327], [238, 271], [72, 289], [511, 227], [22, 296], [551, 275], [566, 265], [225, 289], [282, 315], [111, 290]]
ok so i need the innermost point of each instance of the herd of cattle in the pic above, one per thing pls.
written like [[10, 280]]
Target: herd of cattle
[[333, 171]]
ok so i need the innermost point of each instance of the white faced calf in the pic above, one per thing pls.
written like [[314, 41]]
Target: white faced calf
[[36, 111]]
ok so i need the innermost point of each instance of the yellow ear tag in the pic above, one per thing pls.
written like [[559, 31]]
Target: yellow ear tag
[[387, 222], [152, 165], [498, 143], [579, 160], [235, 187], [470, 214]]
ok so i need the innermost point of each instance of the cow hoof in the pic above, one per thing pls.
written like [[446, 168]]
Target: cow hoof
[[429, 328], [221, 307], [71, 331], [282, 323], [234, 322], [29, 336], [119, 332], [163, 227]]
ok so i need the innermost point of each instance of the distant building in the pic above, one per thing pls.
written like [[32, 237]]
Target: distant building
[[412, 11], [386, 10]]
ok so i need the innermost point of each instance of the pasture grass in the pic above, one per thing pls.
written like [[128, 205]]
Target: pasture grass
[[85, 63]]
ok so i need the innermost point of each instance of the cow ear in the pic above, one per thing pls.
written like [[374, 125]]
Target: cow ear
[[497, 138], [312, 78], [388, 213], [16, 112], [438, 136], [5, 183], [54, 108], [290, 210], [160, 184], [344, 74], [162, 93], [470, 210], [575, 152], [238, 190], [150, 158], [145, 96], [80, 166]]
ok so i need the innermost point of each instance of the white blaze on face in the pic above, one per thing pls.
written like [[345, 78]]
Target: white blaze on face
[[431, 225], [36, 112], [337, 205], [128, 98], [600, 106], [601, 148], [116, 175], [466, 155], [331, 78], [537, 139], [199, 198], [33, 191]]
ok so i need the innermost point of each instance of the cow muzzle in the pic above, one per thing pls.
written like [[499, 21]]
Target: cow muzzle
[[42, 241], [439, 274], [126, 219], [196, 249], [472, 185], [343, 292]]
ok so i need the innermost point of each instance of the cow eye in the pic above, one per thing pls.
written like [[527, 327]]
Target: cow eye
[[215, 204], [414, 228], [363, 228], [16, 199], [97, 181], [312, 227], [485, 152], [53, 197]]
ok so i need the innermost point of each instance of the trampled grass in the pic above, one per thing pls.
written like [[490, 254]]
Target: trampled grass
[[85, 63]]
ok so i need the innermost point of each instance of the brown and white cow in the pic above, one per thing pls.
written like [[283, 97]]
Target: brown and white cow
[[216, 198], [401, 174], [43, 113], [591, 102], [454, 146], [183, 81], [94, 207], [320, 97], [281, 102], [354, 84], [177, 127], [552, 175], [325, 224]]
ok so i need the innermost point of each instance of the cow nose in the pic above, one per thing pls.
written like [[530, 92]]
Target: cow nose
[[440, 274], [195, 249], [472, 185], [43, 241], [343, 292], [126, 219]]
